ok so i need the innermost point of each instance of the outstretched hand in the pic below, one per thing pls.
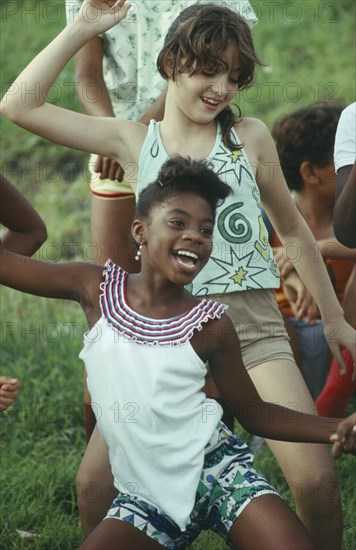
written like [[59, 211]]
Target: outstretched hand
[[344, 440], [103, 14]]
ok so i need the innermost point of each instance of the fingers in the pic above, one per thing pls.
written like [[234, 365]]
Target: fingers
[[5, 403], [286, 268], [98, 166], [350, 443], [122, 6], [344, 440], [339, 335], [336, 351], [108, 169], [304, 303], [9, 388], [337, 447], [312, 313], [9, 384], [116, 173]]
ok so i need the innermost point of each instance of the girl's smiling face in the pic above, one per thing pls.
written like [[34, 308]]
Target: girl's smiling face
[[177, 238], [202, 96]]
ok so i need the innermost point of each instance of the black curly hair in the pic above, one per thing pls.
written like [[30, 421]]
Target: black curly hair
[[182, 175]]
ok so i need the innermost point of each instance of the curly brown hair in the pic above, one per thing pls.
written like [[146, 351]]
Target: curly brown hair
[[308, 134], [196, 42]]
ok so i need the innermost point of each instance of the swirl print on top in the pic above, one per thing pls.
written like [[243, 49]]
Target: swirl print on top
[[242, 258]]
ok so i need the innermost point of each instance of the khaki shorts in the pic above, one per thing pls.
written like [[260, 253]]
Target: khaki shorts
[[259, 325], [107, 189]]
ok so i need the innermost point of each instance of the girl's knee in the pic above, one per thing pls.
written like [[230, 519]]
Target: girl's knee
[[319, 490]]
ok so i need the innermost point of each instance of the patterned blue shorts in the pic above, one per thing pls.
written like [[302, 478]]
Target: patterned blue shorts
[[227, 484]]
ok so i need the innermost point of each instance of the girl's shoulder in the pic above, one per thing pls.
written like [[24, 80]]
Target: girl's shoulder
[[249, 127], [256, 139], [215, 335]]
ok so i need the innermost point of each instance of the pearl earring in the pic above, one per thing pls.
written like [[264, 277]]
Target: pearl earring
[[138, 253]]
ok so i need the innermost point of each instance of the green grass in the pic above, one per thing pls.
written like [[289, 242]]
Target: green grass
[[308, 52]]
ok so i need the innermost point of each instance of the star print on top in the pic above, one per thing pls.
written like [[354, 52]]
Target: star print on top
[[242, 258]]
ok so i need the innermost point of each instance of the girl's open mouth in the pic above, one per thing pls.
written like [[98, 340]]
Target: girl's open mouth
[[210, 103], [186, 259]]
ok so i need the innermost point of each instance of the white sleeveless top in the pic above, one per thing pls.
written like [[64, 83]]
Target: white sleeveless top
[[145, 381], [242, 258]]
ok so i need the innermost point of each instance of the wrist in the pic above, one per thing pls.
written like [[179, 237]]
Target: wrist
[[81, 30], [336, 316]]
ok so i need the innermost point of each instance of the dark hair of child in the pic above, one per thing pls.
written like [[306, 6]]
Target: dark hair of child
[[306, 135], [182, 175], [197, 40]]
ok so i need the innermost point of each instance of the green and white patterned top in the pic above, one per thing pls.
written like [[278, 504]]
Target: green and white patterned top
[[242, 258]]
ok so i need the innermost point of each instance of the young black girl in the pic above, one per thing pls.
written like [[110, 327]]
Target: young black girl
[[176, 466]]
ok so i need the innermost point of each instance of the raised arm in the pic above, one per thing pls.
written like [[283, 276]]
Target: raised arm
[[25, 102], [88, 63], [89, 77], [89, 73], [26, 229]]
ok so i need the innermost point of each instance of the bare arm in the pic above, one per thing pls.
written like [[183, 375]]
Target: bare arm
[[329, 248], [89, 76], [344, 216], [26, 229], [89, 73], [67, 281], [255, 415], [25, 102], [297, 237]]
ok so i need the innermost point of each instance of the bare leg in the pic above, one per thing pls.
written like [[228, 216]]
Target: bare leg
[[308, 468], [114, 534], [111, 231], [267, 523], [95, 484]]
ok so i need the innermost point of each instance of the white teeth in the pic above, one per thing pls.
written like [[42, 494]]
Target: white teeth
[[211, 101], [187, 253]]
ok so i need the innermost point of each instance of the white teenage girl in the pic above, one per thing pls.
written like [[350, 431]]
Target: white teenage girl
[[203, 77]]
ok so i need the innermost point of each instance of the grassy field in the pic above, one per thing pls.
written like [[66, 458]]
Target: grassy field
[[307, 48]]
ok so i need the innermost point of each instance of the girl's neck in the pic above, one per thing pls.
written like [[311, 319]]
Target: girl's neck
[[317, 213], [157, 299], [181, 135]]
